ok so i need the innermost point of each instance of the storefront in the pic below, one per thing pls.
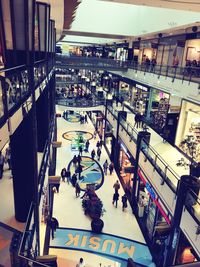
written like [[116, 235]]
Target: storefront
[[185, 252], [140, 98], [154, 217], [124, 91], [191, 55], [158, 108], [126, 165], [188, 132]]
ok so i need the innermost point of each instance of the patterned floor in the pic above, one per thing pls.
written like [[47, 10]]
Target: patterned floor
[[73, 116], [92, 173], [71, 135]]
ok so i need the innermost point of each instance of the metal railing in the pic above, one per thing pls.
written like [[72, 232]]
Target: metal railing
[[72, 102], [63, 61], [27, 252], [192, 204], [14, 89], [187, 73], [167, 173]]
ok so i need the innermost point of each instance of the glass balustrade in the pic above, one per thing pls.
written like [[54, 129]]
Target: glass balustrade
[[192, 203], [168, 174]]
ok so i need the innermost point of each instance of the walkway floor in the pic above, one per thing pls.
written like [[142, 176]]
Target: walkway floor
[[68, 210]]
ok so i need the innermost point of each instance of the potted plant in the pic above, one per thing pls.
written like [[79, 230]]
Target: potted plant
[[93, 207]]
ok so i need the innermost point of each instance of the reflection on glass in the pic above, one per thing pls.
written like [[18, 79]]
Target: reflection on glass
[[1, 100]]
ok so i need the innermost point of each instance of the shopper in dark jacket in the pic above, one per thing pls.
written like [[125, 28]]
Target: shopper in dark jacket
[[115, 199], [74, 160], [63, 174], [124, 202], [93, 154], [111, 168], [74, 179], [77, 189], [99, 153]]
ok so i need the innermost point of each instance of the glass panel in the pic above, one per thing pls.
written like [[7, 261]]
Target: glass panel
[[36, 34], [1, 100], [19, 24], [30, 22], [7, 23], [42, 25]]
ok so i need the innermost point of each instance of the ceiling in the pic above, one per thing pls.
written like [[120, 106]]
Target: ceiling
[[105, 21]]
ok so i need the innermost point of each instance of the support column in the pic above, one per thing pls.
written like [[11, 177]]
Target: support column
[[42, 111], [121, 114], [143, 135], [22, 150]]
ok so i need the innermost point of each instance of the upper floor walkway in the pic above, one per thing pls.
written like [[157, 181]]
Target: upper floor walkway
[[187, 73]]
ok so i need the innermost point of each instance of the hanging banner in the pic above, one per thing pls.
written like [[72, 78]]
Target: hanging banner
[[103, 244]]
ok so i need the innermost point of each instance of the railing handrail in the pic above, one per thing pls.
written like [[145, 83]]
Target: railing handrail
[[177, 177], [13, 68]]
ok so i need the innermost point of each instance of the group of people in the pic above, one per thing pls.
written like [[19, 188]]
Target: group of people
[[138, 120], [124, 199]]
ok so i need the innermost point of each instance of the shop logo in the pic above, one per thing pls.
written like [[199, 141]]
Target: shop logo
[[139, 86], [103, 244], [150, 190]]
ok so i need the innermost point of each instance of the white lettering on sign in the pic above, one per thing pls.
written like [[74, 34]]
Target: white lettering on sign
[[139, 86]]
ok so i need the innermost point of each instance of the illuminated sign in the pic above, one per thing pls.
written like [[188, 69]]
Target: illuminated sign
[[139, 86], [150, 190], [103, 244]]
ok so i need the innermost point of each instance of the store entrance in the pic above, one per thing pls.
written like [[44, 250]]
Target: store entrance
[[185, 252], [126, 165]]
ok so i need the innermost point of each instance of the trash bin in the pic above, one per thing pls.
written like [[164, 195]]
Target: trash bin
[[140, 210]]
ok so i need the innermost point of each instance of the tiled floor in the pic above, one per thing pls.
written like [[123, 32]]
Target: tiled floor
[[67, 208]]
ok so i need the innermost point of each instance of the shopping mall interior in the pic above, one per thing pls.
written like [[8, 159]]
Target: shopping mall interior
[[99, 133]]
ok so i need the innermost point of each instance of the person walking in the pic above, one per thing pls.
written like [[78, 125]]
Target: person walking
[[86, 120], [8, 157], [2, 159], [98, 153], [137, 120], [95, 134], [68, 176], [80, 150], [53, 223], [81, 263], [98, 144], [74, 160], [101, 142], [93, 154], [116, 186], [63, 174], [74, 179], [111, 168], [115, 199], [87, 144], [124, 202], [79, 159], [105, 167], [77, 189]]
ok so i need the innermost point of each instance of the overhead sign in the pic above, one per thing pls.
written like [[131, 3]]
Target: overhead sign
[[139, 86], [103, 244]]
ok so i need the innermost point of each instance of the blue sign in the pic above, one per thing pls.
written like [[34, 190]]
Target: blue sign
[[103, 244], [150, 190]]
